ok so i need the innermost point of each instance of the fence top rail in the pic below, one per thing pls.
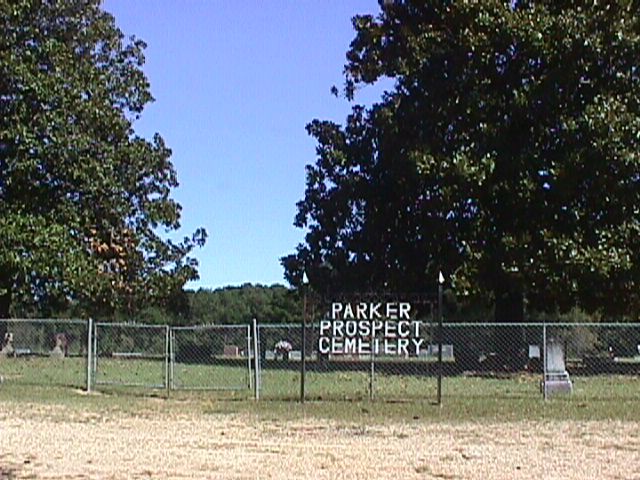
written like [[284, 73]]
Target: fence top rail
[[477, 324], [545, 324], [212, 326], [284, 325], [75, 321], [131, 324]]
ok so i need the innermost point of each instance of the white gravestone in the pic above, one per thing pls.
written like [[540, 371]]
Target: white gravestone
[[61, 344], [6, 347], [556, 377], [534, 351], [295, 355]]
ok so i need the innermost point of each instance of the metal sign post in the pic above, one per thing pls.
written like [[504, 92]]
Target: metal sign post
[[303, 336], [440, 286], [544, 361], [303, 349]]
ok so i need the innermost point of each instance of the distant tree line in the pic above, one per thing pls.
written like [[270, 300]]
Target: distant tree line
[[233, 305], [279, 304], [227, 305]]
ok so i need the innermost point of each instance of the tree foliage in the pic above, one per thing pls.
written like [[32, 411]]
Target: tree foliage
[[507, 154], [240, 305], [85, 201]]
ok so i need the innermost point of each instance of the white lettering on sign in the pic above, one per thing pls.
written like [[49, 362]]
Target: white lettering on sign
[[362, 346], [371, 311], [366, 328]]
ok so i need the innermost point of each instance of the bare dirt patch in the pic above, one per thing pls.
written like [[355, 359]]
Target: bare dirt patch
[[39, 442]]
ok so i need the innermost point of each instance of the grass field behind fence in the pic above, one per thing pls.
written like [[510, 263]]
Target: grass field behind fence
[[68, 372], [284, 384], [210, 377]]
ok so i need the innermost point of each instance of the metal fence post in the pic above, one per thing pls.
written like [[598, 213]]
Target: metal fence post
[[172, 357], [94, 360], [250, 379], [89, 353], [256, 358], [167, 358]]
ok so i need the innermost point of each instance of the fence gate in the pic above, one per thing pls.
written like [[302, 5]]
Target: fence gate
[[211, 357], [131, 355]]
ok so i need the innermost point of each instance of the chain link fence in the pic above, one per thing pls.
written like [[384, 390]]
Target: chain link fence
[[585, 361], [581, 361], [603, 360], [394, 365], [44, 352], [365, 346], [279, 361], [131, 355], [211, 357], [393, 360]]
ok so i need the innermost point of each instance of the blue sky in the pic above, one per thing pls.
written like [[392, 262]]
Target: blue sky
[[235, 83]]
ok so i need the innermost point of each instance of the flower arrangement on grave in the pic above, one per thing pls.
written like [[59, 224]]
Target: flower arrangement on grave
[[282, 349]]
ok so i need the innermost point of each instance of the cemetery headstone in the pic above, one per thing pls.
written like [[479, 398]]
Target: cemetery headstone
[[59, 351], [295, 355], [7, 349], [231, 351], [556, 378]]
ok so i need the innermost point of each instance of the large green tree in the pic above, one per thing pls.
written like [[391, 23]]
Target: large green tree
[[507, 154], [85, 201]]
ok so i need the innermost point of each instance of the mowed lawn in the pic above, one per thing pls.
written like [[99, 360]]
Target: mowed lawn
[[72, 372], [344, 393], [485, 428]]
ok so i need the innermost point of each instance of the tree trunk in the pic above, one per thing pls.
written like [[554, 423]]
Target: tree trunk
[[509, 308]]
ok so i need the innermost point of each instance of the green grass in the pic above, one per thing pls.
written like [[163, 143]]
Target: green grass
[[337, 395], [133, 371], [210, 377], [69, 372]]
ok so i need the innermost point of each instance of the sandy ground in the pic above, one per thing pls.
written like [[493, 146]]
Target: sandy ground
[[46, 443]]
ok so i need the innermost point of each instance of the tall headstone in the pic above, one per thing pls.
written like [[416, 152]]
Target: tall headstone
[[59, 351], [6, 348], [556, 378]]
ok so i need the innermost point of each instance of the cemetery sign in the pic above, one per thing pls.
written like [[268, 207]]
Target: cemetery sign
[[366, 328]]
